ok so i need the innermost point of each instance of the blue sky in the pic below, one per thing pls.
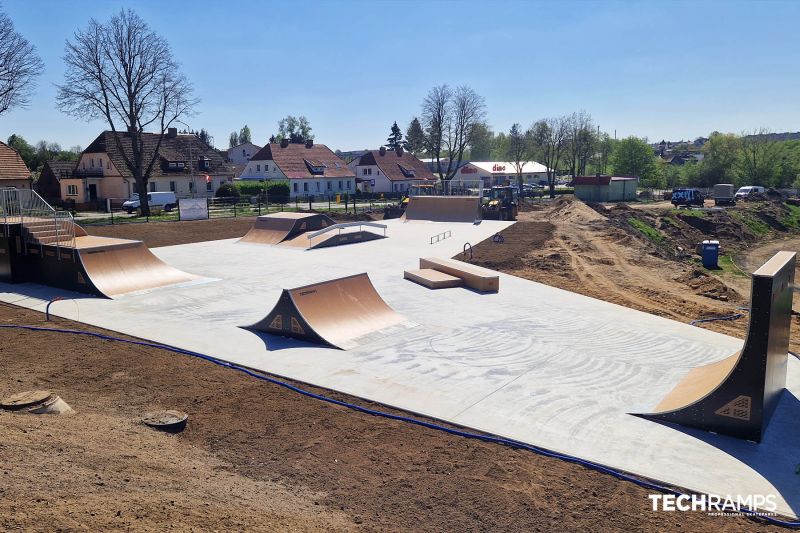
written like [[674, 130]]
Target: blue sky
[[652, 69]]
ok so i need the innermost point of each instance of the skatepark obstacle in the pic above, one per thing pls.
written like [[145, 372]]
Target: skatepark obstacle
[[737, 395], [41, 245], [443, 209], [309, 231], [336, 312], [474, 277]]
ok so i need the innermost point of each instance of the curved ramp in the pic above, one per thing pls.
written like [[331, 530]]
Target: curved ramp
[[336, 313], [737, 395], [114, 267], [276, 228], [443, 209]]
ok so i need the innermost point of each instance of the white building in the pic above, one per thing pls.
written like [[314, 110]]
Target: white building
[[389, 171], [501, 172], [241, 154], [310, 169]]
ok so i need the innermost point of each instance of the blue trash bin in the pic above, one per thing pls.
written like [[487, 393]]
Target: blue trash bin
[[710, 254]]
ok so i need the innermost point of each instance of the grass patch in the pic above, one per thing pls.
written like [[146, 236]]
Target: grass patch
[[647, 230], [792, 218], [688, 212], [671, 222], [727, 266], [758, 227]]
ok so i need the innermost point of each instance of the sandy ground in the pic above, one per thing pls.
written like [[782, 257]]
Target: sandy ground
[[258, 457]]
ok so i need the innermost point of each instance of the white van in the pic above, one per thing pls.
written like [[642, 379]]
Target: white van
[[744, 192], [166, 200]]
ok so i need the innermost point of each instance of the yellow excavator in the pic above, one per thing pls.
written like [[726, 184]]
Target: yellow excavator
[[500, 203]]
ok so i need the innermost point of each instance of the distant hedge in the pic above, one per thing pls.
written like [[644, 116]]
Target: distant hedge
[[227, 190], [276, 191]]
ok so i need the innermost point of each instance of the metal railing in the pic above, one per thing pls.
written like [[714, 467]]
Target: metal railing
[[348, 225], [36, 216], [441, 236]]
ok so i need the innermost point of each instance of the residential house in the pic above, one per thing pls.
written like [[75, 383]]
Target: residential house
[[242, 153], [390, 171], [501, 173], [605, 188], [310, 169], [49, 183], [13, 171], [184, 165]]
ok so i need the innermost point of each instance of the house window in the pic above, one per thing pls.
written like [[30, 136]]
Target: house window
[[92, 163], [330, 185], [266, 168], [72, 190], [191, 186], [348, 184], [173, 165], [305, 186], [258, 168], [209, 186], [340, 185], [108, 165], [364, 171], [294, 186], [317, 183], [243, 153], [172, 187], [153, 186]]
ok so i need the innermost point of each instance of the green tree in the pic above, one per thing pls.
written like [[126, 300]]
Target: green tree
[[481, 142], [244, 135], [233, 139], [757, 164], [635, 157], [721, 153], [296, 129], [415, 137], [520, 150], [395, 139], [25, 150]]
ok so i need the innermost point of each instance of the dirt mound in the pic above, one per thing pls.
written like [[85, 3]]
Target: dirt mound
[[505, 255], [569, 210], [709, 286]]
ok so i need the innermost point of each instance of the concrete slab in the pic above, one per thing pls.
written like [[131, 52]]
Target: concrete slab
[[533, 363]]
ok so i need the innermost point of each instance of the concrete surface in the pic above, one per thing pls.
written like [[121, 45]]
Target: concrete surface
[[532, 362]]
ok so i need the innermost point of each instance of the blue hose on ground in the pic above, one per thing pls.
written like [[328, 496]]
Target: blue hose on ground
[[452, 431]]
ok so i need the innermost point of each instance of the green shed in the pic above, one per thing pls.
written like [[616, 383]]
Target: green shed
[[605, 188]]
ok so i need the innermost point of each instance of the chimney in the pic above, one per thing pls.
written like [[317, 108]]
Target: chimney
[[382, 150], [399, 151], [172, 133], [309, 143], [284, 143]]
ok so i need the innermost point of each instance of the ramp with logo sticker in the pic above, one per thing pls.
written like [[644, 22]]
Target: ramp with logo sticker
[[337, 313], [736, 396]]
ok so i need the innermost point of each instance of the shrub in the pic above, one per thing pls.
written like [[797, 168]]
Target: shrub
[[278, 192], [250, 188], [227, 190]]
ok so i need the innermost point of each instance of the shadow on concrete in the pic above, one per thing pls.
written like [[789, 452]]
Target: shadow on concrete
[[276, 342]]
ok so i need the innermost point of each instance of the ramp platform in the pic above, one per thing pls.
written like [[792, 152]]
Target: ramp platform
[[443, 209], [737, 395], [433, 279], [474, 277], [276, 228], [336, 312]]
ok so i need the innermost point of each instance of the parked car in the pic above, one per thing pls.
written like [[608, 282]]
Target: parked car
[[744, 192], [165, 200], [687, 197]]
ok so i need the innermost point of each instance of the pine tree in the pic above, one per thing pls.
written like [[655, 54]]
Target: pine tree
[[395, 140], [415, 137]]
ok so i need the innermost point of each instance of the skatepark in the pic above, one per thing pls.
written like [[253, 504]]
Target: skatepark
[[528, 362]]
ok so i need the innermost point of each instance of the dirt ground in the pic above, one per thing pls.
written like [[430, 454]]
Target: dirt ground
[[581, 250], [256, 457]]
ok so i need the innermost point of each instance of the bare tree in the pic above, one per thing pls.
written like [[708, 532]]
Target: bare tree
[[549, 137], [580, 142], [450, 116], [19, 67], [124, 73], [520, 150]]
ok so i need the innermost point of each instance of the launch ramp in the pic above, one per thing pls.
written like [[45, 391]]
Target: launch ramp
[[736, 396], [276, 228], [337, 312], [443, 209]]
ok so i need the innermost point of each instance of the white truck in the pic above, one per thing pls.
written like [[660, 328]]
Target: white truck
[[165, 200]]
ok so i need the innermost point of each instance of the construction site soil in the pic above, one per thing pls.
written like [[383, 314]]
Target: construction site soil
[[256, 456]]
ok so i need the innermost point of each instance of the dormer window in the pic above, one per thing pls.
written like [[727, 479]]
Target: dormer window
[[204, 163], [407, 172], [315, 166]]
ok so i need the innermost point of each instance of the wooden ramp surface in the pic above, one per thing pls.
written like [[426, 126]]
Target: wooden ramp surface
[[116, 267], [475, 277], [276, 228], [443, 209], [433, 279], [336, 312]]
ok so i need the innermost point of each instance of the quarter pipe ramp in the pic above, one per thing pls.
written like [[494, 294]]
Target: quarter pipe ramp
[[736, 396], [114, 267], [443, 209], [337, 312], [276, 228]]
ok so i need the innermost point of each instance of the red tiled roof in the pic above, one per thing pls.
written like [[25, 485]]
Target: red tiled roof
[[12, 167], [396, 165], [291, 160]]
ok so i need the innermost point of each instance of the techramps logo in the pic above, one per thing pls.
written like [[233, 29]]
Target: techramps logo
[[715, 505]]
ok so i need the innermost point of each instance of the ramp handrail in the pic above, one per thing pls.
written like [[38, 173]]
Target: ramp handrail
[[441, 236], [26, 207], [348, 225]]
